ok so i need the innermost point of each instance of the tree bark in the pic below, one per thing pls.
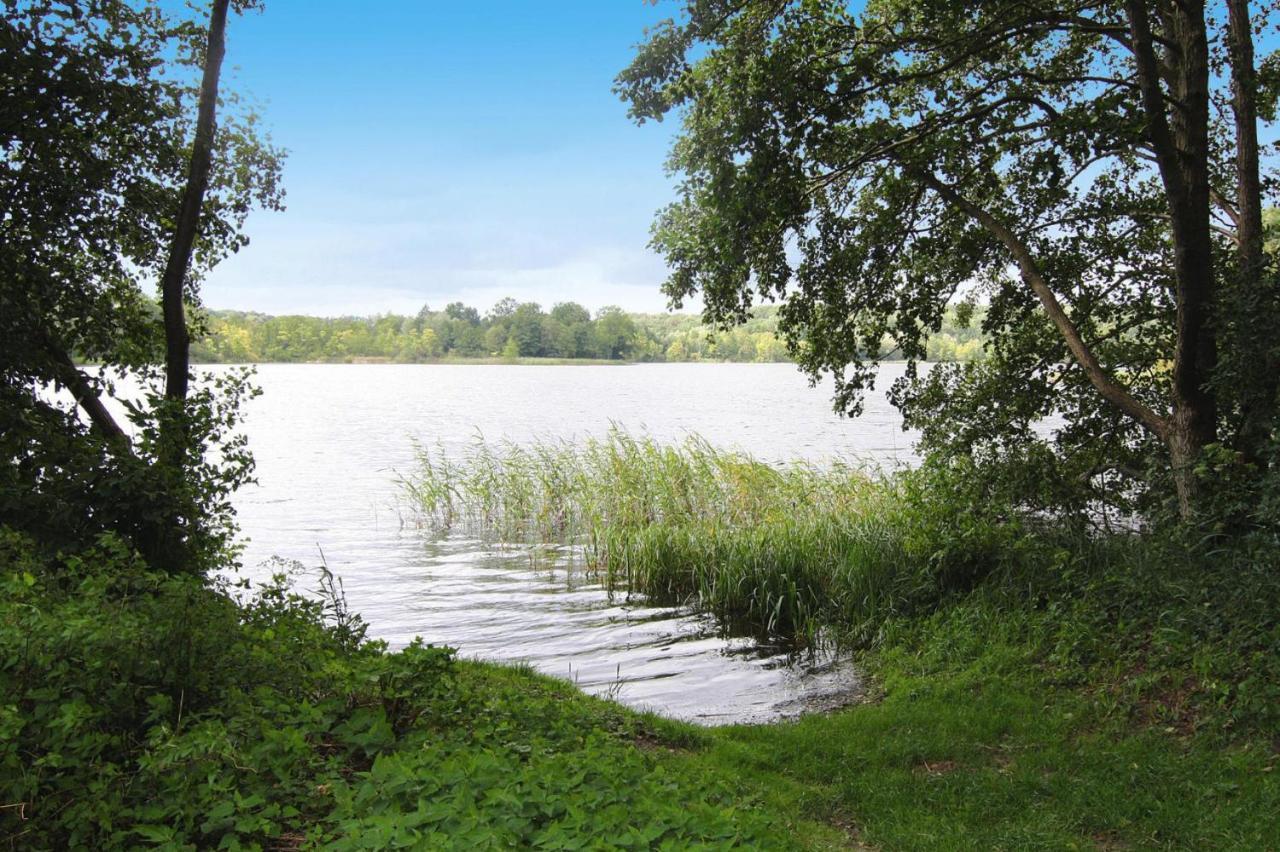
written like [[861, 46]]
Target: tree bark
[[173, 284], [1259, 399], [1179, 135]]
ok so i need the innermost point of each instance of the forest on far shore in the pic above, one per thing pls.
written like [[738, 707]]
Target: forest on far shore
[[524, 330]]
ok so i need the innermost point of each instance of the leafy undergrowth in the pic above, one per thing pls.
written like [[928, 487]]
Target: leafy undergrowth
[[145, 710]]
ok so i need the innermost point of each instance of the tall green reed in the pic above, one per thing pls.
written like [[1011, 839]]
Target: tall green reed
[[781, 550]]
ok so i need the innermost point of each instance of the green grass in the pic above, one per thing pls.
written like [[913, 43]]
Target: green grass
[[986, 756], [1123, 694]]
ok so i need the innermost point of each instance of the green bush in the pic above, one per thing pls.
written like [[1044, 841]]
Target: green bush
[[142, 708]]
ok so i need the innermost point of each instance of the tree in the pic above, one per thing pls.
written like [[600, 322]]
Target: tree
[[495, 339], [109, 186], [503, 309], [1089, 169], [526, 329], [614, 333], [558, 340], [470, 341], [459, 311], [422, 346], [573, 332], [570, 313]]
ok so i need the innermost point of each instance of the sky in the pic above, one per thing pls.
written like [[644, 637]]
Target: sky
[[445, 151]]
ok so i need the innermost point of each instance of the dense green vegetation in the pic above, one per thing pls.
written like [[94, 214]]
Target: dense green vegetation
[[1090, 172], [1073, 692], [1074, 638], [116, 185], [142, 709], [517, 331]]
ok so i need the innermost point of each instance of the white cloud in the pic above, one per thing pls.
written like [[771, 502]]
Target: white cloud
[[335, 270], [353, 244]]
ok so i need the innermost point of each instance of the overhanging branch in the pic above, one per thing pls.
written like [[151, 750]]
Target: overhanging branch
[[1109, 388], [86, 397]]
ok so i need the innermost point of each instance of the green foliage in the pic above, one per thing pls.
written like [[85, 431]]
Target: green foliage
[[105, 92], [568, 331], [140, 708], [870, 166], [96, 127]]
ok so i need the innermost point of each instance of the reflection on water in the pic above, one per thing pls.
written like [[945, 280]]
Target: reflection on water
[[505, 605], [329, 439]]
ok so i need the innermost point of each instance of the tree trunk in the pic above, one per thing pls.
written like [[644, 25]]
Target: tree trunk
[[175, 437], [86, 397], [1184, 450], [173, 285], [1258, 401], [1178, 129]]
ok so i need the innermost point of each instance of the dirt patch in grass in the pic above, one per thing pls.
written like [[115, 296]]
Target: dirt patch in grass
[[852, 833], [649, 742], [936, 768]]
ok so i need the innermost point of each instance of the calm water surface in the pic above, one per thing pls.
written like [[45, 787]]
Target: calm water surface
[[331, 439]]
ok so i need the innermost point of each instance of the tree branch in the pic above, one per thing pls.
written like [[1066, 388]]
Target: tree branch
[[1225, 205], [85, 396], [1153, 99], [1111, 390]]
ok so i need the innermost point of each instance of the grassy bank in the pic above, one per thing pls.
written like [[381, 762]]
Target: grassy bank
[[1042, 686], [1033, 688]]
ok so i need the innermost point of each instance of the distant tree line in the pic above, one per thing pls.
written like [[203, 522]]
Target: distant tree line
[[512, 330]]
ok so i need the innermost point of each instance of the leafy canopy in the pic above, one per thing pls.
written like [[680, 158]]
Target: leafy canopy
[[870, 168], [96, 128]]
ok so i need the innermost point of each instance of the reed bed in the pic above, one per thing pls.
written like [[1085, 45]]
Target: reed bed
[[788, 551]]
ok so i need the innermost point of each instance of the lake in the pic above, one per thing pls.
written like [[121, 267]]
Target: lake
[[330, 441]]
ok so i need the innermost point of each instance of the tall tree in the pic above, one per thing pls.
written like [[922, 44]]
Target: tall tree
[[101, 194], [526, 329], [1071, 163], [175, 437]]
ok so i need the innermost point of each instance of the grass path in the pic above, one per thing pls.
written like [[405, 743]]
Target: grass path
[[970, 762]]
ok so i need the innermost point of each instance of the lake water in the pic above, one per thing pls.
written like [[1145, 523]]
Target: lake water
[[330, 441]]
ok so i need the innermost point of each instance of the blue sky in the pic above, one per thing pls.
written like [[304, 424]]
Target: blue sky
[[443, 151]]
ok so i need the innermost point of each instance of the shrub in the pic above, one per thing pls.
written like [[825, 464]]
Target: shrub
[[142, 708]]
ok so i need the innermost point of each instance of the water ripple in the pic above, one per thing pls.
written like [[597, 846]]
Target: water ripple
[[328, 483]]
